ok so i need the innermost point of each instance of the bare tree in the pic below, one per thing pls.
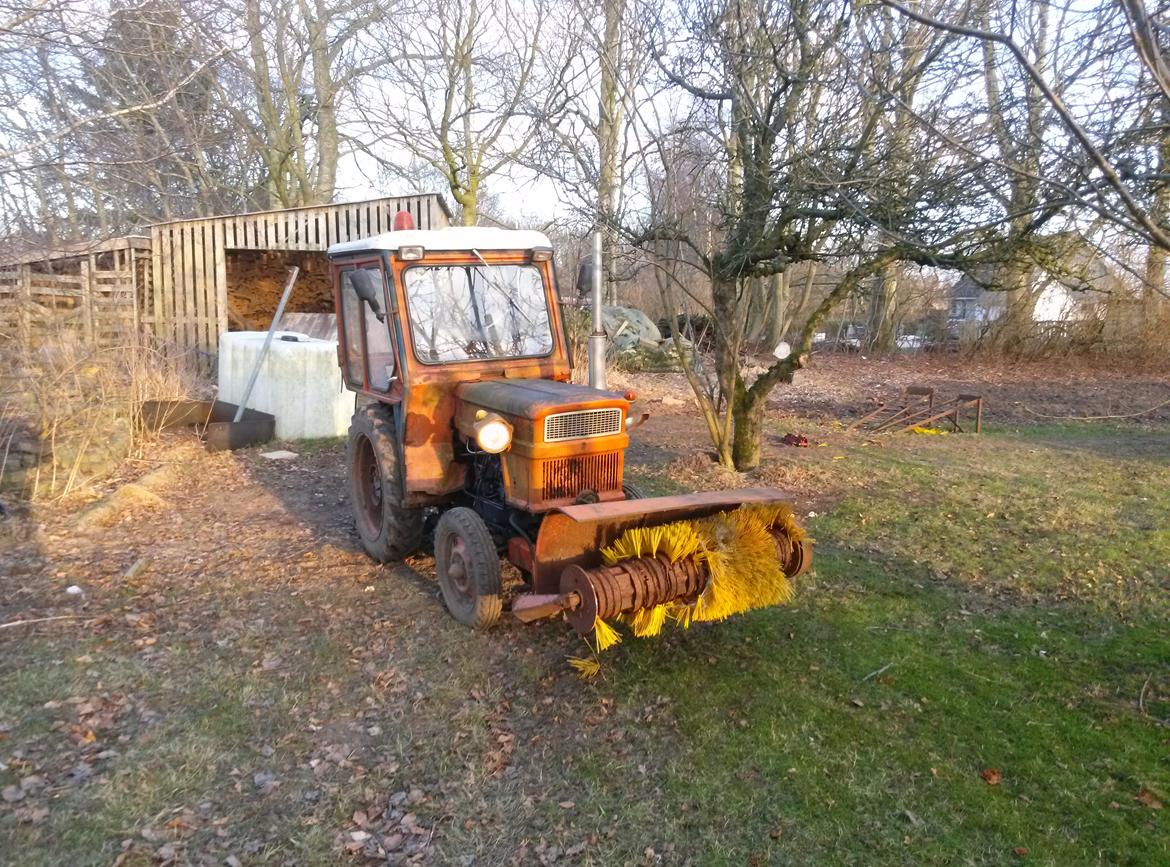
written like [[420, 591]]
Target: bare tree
[[475, 81], [115, 125], [306, 61], [797, 140], [1107, 36]]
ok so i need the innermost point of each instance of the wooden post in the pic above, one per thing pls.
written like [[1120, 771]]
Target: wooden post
[[26, 305], [88, 265], [156, 245], [198, 293], [136, 316], [184, 278], [221, 291]]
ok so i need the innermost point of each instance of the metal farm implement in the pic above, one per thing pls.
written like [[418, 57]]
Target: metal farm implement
[[916, 407]]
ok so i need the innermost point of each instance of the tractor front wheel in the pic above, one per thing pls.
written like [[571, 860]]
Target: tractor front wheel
[[468, 568], [632, 492], [388, 529]]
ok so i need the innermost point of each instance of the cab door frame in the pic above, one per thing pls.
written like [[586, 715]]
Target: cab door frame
[[394, 393]]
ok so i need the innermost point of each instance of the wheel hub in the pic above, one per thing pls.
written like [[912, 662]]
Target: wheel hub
[[457, 570]]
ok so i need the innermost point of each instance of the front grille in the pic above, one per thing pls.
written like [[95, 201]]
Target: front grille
[[582, 424], [565, 478]]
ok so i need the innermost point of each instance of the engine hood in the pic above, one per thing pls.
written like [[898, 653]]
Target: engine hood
[[533, 398]]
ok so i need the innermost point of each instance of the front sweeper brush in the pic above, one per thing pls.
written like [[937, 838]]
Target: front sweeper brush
[[670, 560]]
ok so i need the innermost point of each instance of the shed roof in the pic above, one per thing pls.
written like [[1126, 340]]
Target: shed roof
[[450, 238], [32, 253], [436, 197]]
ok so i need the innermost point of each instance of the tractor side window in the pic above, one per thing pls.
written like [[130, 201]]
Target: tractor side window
[[363, 302], [351, 329], [379, 349]]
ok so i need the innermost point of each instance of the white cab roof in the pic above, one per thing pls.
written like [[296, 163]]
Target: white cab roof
[[450, 238]]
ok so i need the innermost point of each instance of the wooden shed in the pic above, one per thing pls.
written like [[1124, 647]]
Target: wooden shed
[[91, 292], [210, 275]]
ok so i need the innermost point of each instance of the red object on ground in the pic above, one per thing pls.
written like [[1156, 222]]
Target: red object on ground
[[798, 440]]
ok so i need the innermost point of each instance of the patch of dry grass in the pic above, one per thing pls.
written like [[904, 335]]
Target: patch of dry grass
[[79, 406]]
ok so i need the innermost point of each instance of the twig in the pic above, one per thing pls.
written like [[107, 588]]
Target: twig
[[39, 620], [1098, 417], [1142, 696], [888, 665]]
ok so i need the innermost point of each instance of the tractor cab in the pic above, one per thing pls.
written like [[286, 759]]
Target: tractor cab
[[457, 333], [466, 425]]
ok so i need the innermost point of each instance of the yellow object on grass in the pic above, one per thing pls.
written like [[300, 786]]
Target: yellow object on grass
[[929, 431], [587, 667]]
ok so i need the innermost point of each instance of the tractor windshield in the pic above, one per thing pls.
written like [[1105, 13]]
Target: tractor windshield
[[475, 312]]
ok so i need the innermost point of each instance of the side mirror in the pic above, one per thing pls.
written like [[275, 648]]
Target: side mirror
[[366, 287]]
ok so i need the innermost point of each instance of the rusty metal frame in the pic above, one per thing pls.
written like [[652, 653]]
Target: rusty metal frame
[[917, 407], [912, 399]]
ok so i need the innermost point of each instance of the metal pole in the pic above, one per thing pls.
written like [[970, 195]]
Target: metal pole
[[597, 337], [292, 278]]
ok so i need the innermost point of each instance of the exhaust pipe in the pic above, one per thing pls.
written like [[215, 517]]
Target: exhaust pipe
[[597, 336]]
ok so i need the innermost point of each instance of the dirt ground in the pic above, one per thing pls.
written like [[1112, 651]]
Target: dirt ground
[[841, 387], [222, 634]]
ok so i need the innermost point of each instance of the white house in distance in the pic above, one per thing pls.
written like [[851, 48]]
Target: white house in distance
[[1074, 295]]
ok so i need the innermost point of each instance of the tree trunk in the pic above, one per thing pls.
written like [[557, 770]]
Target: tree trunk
[[748, 418], [1155, 288], [728, 336], [806, 290], [759, 311], [1154, 295], [883, 305], [609, 120], [469, 206], [1011, 332], [776, 322], [328, 143]]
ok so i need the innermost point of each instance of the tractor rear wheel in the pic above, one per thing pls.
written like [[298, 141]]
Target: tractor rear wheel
[[388, 529], [468, 568]]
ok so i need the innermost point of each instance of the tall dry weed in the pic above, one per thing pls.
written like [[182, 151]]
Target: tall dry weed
[[81, 406]]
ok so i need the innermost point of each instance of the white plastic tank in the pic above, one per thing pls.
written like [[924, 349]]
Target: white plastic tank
[[299, 382]]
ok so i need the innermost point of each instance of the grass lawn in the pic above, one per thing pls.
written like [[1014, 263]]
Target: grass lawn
[[977, 672], [982, 605]]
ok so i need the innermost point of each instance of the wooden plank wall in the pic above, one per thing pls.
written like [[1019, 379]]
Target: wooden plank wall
[[187, 304], [90, 298], [12, 304]]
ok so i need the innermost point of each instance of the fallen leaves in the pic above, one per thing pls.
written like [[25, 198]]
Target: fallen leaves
[[31, 815], [1148, 799], [991, 776], [385, 829], [265, 782]]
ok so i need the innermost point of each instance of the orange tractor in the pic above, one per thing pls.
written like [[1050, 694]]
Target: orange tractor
[[467, 427]]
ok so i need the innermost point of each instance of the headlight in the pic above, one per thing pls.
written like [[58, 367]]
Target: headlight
[[493, 435]]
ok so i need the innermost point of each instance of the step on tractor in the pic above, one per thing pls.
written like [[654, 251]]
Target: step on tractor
[[468, 431]]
